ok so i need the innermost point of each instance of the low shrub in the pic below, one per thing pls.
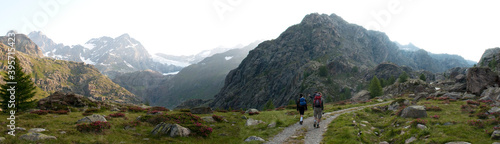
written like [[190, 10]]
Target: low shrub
[[185, 110], [95, 127], [136, 109], [200, 129], [158, 108], [435, 116], [418, 121], [40, 112], [291, 107], [117, 115], [433, 108], [482, 116], [87, 114], [476, 123], [253, 113], [132, 123], [280, 108], [154, 112], [59, 112], [469, 102], [486, 101], [217, 118], [222, 111], [92, 110]]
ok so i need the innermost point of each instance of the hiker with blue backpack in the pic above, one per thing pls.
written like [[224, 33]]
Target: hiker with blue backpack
[[301, 107]]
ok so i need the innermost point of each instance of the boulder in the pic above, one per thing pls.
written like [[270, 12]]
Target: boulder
[[384, 142], [453, 95], [461, 78], [251, 110], [61, 100], [251, 122], [494, 110], [92, 118], [36, 137], [36, 130], [172, 130], [254, 138], [495, 135], [208, 119], [468, 96], [480, 78], [492, 93], [201, 110], [421, 126], [410, 140], [363, 95], [414, 112], [272, 125], [393, 106]]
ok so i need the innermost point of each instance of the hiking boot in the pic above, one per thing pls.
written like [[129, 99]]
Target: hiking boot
[[317, 126], [314, 125], [300, 122]]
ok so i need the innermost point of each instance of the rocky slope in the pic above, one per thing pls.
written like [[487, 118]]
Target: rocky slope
[[57, 75], [110, 55], [142, 83], [322, 53]]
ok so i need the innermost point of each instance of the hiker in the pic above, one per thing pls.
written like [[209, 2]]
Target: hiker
[[301, 107], [318, 109]]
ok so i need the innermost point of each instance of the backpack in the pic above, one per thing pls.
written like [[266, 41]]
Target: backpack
[[302, 102], [317, 101]]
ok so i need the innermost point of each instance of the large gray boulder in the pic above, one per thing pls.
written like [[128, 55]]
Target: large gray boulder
[[172, 130], [202, 110], [480, 78], [492, 93], [252, 110], [495, 135], [494, 110], [363, 95], [92, 118], [414, 112], [36, 136]]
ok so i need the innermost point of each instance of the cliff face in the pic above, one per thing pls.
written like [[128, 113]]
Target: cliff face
[[51, 75], [322, 53]]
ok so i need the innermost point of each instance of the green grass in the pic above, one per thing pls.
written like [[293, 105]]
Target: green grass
[[389, 127]]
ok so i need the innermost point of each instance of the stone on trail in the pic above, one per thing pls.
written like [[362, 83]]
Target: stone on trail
[[495, 135], [254, 138]]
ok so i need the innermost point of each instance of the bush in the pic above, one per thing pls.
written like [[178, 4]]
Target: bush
[[187, 120], [222, 111], [253, 113], [132, 123], [469, 102], [92, 110], [291, 107], [157, 108], [136, 109], [87, 114], [154, 112], [217, 118], [476, 123], [433, 108], [95, 127], [482, 115], [40, 112], [200, 129], [58, 112], [30, 116], [418, 121], [435, 116], [185, 110], [117, 115]]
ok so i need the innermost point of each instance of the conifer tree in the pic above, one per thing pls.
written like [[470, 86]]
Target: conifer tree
[[375, 88], [24, 90]]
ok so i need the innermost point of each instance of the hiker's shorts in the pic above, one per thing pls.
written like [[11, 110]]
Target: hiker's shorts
[[317, 112]]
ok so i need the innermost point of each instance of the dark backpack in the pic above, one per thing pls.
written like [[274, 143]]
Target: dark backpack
[[317, 101], [302, 102]]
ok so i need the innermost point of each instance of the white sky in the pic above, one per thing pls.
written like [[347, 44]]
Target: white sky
[[183, 27]]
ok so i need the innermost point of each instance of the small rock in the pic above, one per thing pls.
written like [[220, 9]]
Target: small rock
[[252, 110], [92, 118], [254, 138], [232, 124], [414, 112], [62, 132], [36, 130], [407, 127], [36, 137], [448, 124], [457, 143], [495, 135], [494, 110], [19, 129], [208, 119], [366, 122], [410, 140], [380, 100], [251, 122], [244, 117], [421, 126], [373, 128], [172, 130], [384, 142], [115, 109], [145, 139], [2, 139], [272, 125], [294, 137], [363, 125]]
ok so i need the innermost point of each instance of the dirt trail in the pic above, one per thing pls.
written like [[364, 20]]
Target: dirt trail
[[293, 133]]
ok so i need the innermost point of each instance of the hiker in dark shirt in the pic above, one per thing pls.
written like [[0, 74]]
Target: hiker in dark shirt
[[301, 107], [318, 109]]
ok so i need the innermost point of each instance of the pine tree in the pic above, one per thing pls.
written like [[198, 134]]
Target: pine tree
[[375, 87], [269, 105], [24, 90], [422, 77], [403, 77]]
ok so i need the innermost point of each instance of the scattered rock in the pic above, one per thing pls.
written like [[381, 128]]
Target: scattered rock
[[92, 118], [36, 130], [460, 78], [479, 78], [145, 139], [495, 135], [384, 142], [468, 96], [421, 126], [453, 95], [254, 138], [393, 106], [62, 132], [494, 110], [414, 112], [19, 129], [448, 124], [61, 100], [244, 117], [251, 122], [201, 110], [36, 137], [363, 95], [208, 119], [252, 110], [272, 125], [115, 109], [172, 130], [457, 143], [366, 122], [410, 140], [492, 93], [363, 125]]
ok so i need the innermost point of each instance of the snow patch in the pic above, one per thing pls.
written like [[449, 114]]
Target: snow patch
[[89, 46], [228, 57], [205, 54], [169, 62], [171, 73], [87, 61], [129, 65]]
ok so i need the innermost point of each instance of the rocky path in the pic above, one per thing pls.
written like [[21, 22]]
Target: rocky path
[[306, 133]]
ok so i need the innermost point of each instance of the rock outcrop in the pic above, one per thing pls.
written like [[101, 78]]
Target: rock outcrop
[[92, 118], [202, 110], [172, 130], [36, 136], [363, 95], [61, 100], [189, 104], [414, 112], [480, 78]]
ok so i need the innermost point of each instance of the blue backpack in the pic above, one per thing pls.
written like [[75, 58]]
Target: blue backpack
[[302, 102]]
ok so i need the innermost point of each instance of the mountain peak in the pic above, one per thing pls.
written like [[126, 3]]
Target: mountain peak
[[124, 36], [11, 31]]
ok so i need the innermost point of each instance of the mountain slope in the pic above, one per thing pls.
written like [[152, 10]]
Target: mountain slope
[[57, 75], [433, 62], [110, 55], [322, 53]]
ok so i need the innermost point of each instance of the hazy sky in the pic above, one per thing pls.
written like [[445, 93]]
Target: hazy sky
[[183, 27]]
